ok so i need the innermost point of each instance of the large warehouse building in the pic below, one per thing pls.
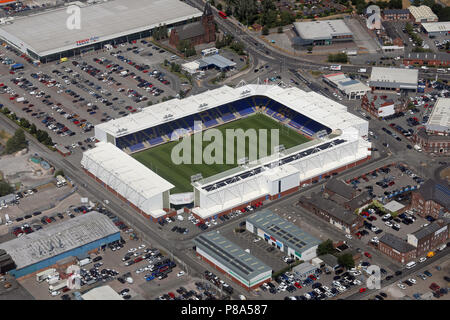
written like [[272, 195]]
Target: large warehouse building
[[321, 32], [394, 79], [282, 234], [228, 258], [45, 36], [72, 238], [337, 143]]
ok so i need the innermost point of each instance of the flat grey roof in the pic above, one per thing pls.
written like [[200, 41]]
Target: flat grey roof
[[59, 238], [318, 30], [283, 230], [230, 255], [440, 116], [304, 267], [46, 33], [395, 75], [217, 60]]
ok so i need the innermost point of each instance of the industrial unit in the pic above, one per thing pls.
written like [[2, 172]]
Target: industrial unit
[[323, 32], [394, 79], [351, 88], [436, 28], [72, 238], [46, 36], [225, 256], [284, 235], [422, 14]]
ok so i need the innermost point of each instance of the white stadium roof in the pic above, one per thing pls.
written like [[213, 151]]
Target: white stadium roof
[[59, 238], [126, 169], [46, 33], [311, 104]]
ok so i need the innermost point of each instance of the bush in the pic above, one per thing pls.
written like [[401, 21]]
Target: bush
[[265, 31], [16, 142], [5, 188], [338, 57]]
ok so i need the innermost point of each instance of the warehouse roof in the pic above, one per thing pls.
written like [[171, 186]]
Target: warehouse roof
[[313, 105], [423, 13], [102, 293], [318, 30], [126, 169], [443, 26], [396, 243], [46, 33], [440, 116], [58, 238], [217, 61], [393, 75], [283, 230], [229, 254], [304, 268]]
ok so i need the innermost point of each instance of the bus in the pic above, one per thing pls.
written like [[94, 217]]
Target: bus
[[336, 67], [16, 66], [223, 14]]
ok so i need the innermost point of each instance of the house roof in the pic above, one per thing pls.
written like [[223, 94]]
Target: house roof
[[358, 201], [341, 188], [332, 208], [396, 243], [191, 30], [329, 259], [431, 190], [431, 228]]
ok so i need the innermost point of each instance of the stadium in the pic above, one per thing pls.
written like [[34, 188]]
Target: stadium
[[318, 138]]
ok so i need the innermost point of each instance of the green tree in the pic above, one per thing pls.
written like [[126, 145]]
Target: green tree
[[219, 6], [59, 172], [338, 57], [16, 142], [5, 188], [265, 31], [24, 123], [33, 129], [325, 247], [346, 260]]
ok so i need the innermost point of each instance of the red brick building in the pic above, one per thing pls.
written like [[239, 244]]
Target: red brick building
[[396, 248], [396, 15], [430, 237], [431, 199], [431, 143], [440, 59], [382, 105], [203, 31]]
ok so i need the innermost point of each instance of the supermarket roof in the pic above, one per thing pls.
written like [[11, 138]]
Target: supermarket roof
[[325, 29], [400, 75], [440, 116], [229, 254], [443, 26], [313, 105], [283, 230], [46, 33], [126, 169], [58, 238]]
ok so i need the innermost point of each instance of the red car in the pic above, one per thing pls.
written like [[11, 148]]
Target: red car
[[172, 295], [361, 290], [368, 255], [434, 286], [297, 285], [312, 277]]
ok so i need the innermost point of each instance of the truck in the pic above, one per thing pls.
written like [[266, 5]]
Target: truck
[[16, 66], [417, 148], [362, 70], [84, 262], [60, 181], [20, 99], [58, 285], [41, 276]]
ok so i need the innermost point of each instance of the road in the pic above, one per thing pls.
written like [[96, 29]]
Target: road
[[259, 50]]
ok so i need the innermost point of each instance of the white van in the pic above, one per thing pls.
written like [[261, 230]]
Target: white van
[[410, 265]]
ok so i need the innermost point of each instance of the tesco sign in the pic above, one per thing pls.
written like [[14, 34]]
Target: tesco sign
[[87, 41]]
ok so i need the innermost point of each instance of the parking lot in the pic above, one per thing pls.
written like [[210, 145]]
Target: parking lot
[[67, 99]]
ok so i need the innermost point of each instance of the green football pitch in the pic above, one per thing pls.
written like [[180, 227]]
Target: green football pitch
[[159, 160]]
